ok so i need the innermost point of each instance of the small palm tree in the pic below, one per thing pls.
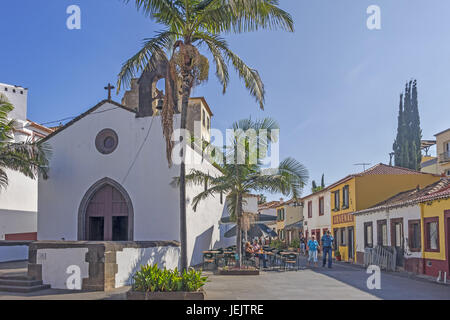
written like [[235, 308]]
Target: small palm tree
[[26, 157], [190, 25], [236, 179]]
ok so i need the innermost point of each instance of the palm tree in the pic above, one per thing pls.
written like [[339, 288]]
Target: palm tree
[[188, 26], [237, 179], [26, 157]]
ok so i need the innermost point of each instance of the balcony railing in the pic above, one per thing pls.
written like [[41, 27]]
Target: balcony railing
[[444, 157]]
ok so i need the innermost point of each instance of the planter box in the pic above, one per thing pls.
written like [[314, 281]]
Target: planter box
[[238, 272], [137, 295]]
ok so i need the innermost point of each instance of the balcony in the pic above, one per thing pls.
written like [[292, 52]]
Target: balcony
[[444, 157]]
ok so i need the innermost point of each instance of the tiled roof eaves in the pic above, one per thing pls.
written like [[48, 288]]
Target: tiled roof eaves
[[84, 114]]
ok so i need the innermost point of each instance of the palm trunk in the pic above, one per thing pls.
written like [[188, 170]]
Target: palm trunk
[[186, 92], [239, 230]]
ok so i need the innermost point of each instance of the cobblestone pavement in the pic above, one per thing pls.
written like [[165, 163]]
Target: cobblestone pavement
[[343, 281], [340, 282]]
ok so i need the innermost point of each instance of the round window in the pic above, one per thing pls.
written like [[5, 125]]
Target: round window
[[106, 141]]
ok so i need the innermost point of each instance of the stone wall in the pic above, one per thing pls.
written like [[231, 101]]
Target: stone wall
[[96, 266]]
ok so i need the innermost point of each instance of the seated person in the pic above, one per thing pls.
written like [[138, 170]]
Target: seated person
[[257, 249], [248, 250]]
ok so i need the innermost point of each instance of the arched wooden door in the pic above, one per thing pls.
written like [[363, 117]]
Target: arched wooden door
[[107, 216]]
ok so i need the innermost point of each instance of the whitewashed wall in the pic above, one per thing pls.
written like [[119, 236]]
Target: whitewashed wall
[[18, 100], [60, 267], [407, 213], [76, 165], [130, 260], [317, 221], [18, 203], [250, 204]]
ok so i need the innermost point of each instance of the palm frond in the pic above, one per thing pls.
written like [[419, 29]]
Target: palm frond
[[3, 179], [152, 51], [240, 16], [163, 11], [251, 77]]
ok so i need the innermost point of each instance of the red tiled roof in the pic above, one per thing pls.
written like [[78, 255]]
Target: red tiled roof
[[379, 169], [269, 205], [434, 191]]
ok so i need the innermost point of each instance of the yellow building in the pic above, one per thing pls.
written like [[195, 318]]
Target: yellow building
[[363, 190], [443, 152], [435, 220], [441, 163], [288, 213]]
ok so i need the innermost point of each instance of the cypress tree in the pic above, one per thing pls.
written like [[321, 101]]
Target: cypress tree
[[322, 182], [397, 147], [406, 147], [416, 132]]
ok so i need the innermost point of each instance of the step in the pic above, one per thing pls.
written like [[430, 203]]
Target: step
[[16, 277], [21, 289], [20, 283]]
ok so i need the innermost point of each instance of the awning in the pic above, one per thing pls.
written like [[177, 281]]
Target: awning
[[297, 225], [256, 230]]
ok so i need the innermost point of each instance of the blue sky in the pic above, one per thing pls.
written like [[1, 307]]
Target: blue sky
[[333, 85]]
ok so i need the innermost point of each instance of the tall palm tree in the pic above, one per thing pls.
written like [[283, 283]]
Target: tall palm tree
[[240, 178], [190, 25], [26, 157]]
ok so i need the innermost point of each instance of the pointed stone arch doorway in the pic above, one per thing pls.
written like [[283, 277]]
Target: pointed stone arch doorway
[[106, 213]]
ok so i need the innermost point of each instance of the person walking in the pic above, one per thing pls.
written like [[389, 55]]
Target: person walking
[[302, 245], [327, 244], [313, 246]]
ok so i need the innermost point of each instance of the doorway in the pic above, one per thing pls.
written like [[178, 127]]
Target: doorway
[[397, 240], [350, 243], [106, 213]]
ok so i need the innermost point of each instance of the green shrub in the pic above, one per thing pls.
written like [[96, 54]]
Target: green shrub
[[152, 279], [295, 243], [278, 244]]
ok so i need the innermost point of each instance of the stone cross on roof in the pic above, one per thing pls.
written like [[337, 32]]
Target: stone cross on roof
[[109, 88]]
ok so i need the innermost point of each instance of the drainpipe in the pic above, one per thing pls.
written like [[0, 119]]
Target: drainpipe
[[422, 245]]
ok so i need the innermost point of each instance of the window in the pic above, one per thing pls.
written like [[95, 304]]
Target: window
[[342, 237], [432, 234], [368, 235], [221, 197], [321, 206], [106, 141], [336, 200], [345, 197], [208, 122], [382, 239], [310, 209], [280, 214], [204, 118], [414, 235], [397, 232]]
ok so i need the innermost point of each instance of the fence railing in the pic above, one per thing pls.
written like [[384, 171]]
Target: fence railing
[[444, 157], [384, 257]]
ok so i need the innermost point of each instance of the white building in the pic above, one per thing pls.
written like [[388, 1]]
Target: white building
[[18, 203], [270, 209], [317, 214], [112, 182], [395, 222]]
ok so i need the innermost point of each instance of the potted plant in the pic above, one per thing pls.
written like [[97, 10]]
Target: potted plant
[[337, 255], [152, 283]]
